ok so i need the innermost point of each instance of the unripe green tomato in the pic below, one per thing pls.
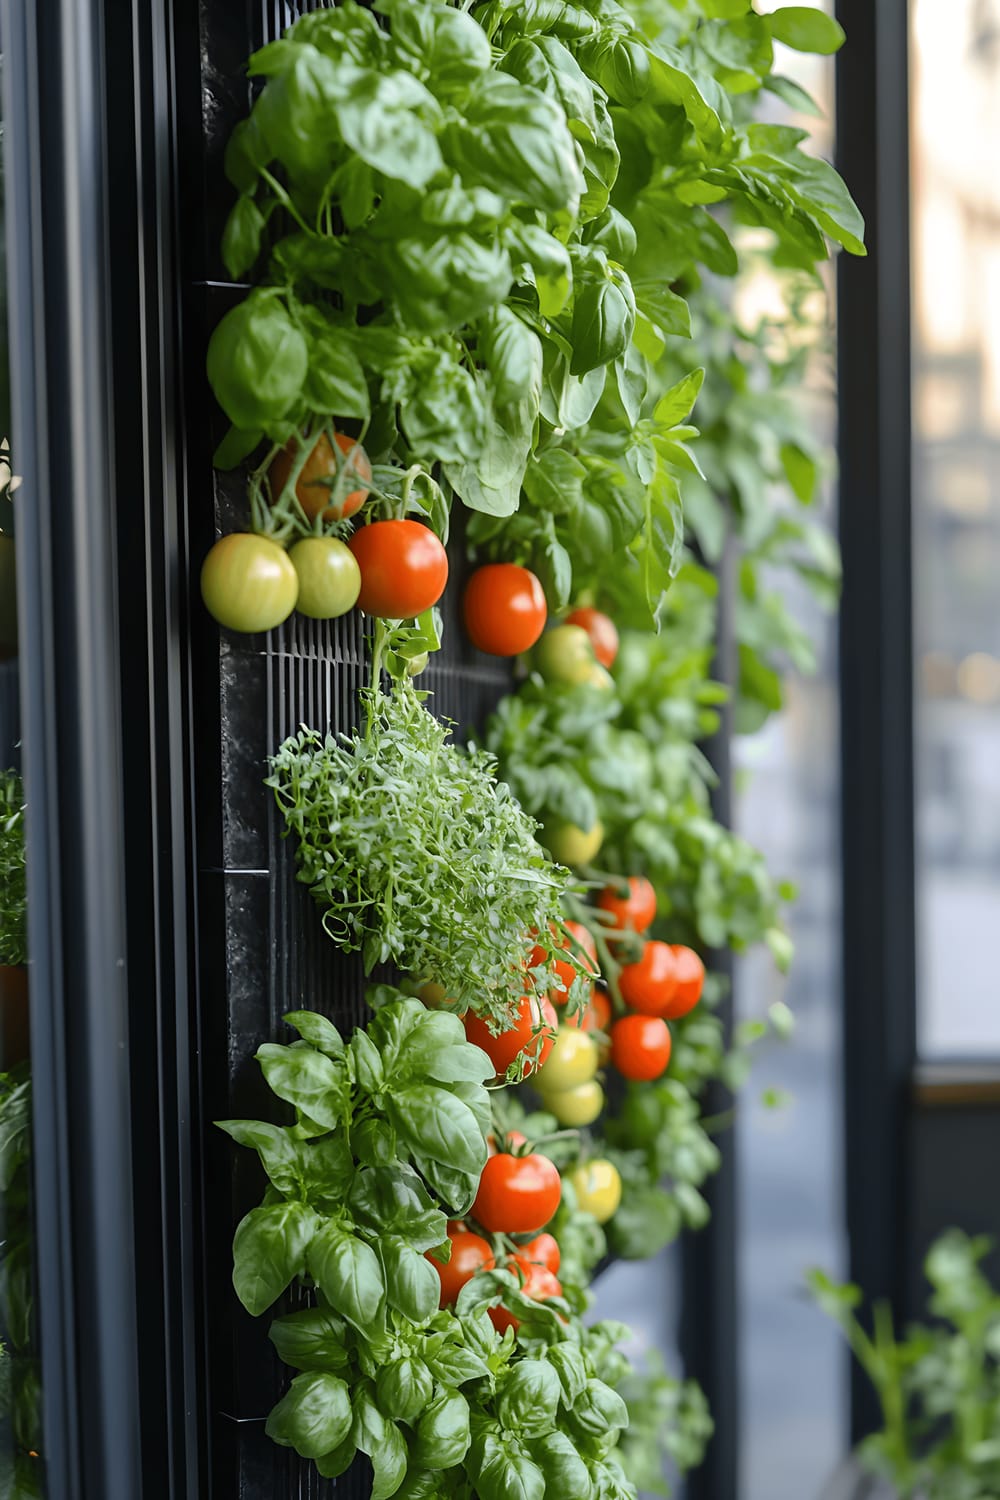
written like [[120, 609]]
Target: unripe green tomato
[[570, 845], [248, 582], [579, 1106], [598, 1188], [565, 654], [600, 677], [572, 1061], [329, 577]]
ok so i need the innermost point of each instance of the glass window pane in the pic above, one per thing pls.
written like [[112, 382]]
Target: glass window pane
[[955, 92]]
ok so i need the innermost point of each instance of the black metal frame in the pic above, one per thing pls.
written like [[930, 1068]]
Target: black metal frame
[[89, 158], [876, 655]]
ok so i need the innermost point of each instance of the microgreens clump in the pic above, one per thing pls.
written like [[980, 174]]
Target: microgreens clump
[[417, 855]]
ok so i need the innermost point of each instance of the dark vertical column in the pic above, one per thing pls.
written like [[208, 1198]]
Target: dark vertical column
[[876, 651], [710, 1318], [60, 300]]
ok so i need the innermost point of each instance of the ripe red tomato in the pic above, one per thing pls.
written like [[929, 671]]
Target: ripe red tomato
[[248, 582], [690, 973], [543, 1250], [539, 1284], [469, 1253], [640, 1046], [335, 485], [404, 568], [517, 1194], [632, 912], [532, 1036], [602, 632], [649, 984], [504, 609], [576, 938]]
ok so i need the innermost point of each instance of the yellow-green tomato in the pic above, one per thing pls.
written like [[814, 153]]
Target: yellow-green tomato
[[565, 654], [569, 844], [598, 1188], [579, 1106], [329, 577], [572, 1061], [248, 582], [600, 677]]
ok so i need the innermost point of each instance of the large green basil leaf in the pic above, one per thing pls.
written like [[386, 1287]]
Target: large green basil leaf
[[269, 1251], [598, 1409], [442, 411], [389, 119], [603, 319], [294, 114], [491, 483], [279, 1150], [413, 1287], [442, 281], [443, 1434], [805, 29], [504, 1471], [241, 237], [547, 65], [331, 1465], [317, 1031], [620, 64], [382, 1441], [316, 1084], [369, 1068], [516, 141], [547, 263], [437, 1127], [336, 383], [392, 1199], [257, 361], [565, 1472], [349, 1274], [454, 1365], [571, 1368], [512, 353], [314, 1416], [445, 48], [310, 1340], [529, 1399], [404, 1387]]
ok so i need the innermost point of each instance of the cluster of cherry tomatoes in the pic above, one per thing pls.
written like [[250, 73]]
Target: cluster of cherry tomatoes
[[519, 1193], [392, 569]]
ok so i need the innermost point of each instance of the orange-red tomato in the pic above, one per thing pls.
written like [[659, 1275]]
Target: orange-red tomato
[[579, 940], [640, 1046], [469, 1253], [404, 568], [517, 1194], [504, 609], [539, 1284], [602, 631], [690, 973], [632, 912], [323, 485], [543, 1250], [649, 984], [531, 1038]]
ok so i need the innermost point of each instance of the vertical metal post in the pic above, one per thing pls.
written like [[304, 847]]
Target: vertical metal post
[[876, 652], [710, 1314]]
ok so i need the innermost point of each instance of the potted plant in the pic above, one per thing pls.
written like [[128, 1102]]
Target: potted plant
[[938, 1386], [13, 925]]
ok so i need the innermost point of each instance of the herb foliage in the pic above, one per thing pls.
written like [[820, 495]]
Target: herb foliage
[[13, 899]]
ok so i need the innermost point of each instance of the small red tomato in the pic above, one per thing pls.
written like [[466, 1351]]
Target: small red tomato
[[633, 912], [504, 609], [543, 1250], [579, 940], [517, 1194], [404, 568], [602, 632], [640, 1046], [690, 981], [327, 482], [469, 1253], [531, 1037], [649, 984], [539, 1284]]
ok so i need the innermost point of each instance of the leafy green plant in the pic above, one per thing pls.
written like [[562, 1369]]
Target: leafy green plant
[[939, 1384], [417, 854], [668, 1419], [13, 900], [389, 1137], [20, 1386]]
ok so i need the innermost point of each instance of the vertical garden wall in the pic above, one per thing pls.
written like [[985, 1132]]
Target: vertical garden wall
[[465, 284]]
